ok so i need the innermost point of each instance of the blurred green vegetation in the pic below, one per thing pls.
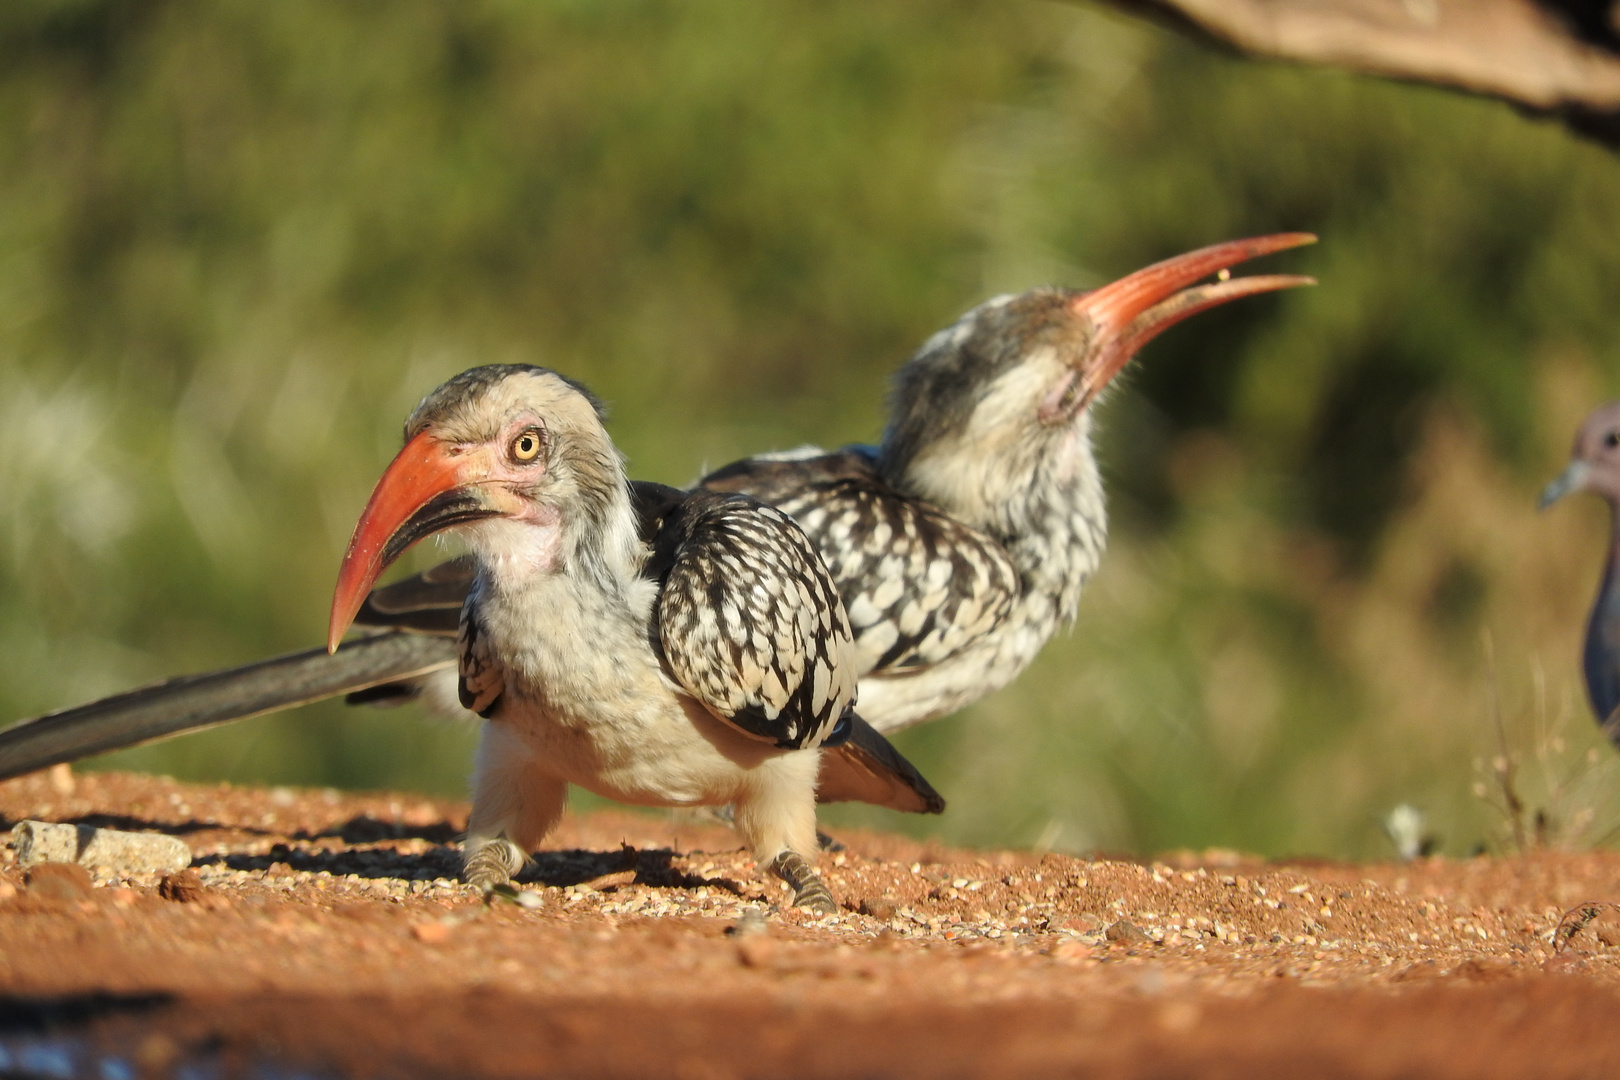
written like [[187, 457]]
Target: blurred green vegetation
[[238, 241]]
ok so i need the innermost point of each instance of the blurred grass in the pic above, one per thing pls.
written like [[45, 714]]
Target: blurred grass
[[238, 241]]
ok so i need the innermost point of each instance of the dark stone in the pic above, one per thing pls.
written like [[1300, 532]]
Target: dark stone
[[184, 888], [1127, 933]]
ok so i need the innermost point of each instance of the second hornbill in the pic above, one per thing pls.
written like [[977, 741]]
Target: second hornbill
[[958, 544]]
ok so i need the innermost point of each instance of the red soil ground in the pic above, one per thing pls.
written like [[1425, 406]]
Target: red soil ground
[[322, 934]]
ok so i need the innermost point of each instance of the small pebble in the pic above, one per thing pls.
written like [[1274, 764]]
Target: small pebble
[[751, 922]]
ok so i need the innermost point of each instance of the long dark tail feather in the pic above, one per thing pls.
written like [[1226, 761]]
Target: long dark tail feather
[[869, 769], [190, 702]]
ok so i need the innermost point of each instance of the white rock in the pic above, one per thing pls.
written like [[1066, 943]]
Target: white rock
[[109, 849]]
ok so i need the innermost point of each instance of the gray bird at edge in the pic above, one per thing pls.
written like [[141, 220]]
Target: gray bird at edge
[[1594, 465], [958, 545]]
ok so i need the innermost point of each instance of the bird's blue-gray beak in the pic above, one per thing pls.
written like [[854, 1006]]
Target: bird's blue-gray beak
[[1571, 479]]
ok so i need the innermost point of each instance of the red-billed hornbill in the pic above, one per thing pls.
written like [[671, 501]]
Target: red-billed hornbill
[[705, 668], [958, 545], [962, 541]]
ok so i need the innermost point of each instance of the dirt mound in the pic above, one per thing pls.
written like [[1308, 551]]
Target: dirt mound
[[325, 934]]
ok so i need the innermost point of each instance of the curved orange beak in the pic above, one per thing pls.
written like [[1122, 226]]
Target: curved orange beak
[[428, 487], [1139, 307]]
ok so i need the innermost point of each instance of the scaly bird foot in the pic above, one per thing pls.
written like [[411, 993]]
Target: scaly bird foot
[[809, 891], [492, 864]]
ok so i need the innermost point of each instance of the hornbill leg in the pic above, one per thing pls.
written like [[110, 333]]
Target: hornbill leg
[[809, 891], [823, 841], [776, 814], [515, 805]]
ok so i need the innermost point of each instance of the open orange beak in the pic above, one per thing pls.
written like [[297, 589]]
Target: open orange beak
[[428, 487], [1139, 307]]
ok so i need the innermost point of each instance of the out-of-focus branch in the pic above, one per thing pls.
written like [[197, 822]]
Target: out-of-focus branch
[[1559, 57]]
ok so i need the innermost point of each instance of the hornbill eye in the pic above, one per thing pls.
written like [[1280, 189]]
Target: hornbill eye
[[526, 447]]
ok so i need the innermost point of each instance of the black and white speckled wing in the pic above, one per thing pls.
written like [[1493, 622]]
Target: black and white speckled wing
[[750, 622], [919, 586]]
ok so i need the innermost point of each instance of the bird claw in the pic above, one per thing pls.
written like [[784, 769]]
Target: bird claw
[[492, 865], [809, 891], [816, 898]]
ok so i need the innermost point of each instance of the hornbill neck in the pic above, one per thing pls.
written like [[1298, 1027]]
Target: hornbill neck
[[1008, 487], [593, 541], [1040, 495]]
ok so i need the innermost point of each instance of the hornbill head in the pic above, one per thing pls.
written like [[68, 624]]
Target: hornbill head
[[1594, 463], [514, 456], [993, 393]]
